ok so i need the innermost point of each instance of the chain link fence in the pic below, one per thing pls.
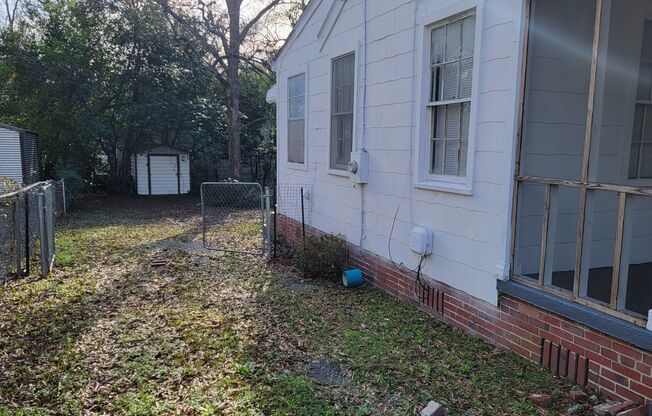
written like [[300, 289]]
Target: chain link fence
[[235, 217], [27, 227]]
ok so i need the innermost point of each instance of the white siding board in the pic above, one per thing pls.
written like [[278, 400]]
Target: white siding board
[[472, 231], [11, 165]]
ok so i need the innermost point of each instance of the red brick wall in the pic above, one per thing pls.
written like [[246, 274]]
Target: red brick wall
[[587, 356]]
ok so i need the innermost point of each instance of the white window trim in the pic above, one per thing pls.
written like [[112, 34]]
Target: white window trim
[[301, 69], [334, 54], [462, 185]]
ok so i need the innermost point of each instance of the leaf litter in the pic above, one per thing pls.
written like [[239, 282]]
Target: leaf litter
[[212, 333]]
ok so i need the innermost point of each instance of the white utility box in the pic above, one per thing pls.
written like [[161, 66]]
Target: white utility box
[[359, 166], [421, 241]]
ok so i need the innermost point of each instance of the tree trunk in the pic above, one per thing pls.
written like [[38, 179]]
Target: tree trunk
[[233, 124], [233, 90]]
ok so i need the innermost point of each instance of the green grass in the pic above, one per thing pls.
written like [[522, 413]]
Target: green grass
[[107, 334]]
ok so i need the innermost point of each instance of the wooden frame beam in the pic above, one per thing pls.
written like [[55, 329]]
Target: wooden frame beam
[[586, 156], [545, 222], [519, 125], [618, 250], [629, 190]]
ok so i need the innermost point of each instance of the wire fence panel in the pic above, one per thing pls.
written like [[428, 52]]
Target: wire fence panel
[[295, 201], [235, 217], [27, 221]]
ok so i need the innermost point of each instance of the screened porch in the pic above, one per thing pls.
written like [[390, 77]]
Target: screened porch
[[583, 205]]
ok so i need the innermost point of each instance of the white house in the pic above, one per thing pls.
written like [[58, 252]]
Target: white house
[[19, 158], [517, 132], [161, 170]]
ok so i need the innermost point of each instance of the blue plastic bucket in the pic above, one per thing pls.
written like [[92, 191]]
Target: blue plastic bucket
[[352, 278]]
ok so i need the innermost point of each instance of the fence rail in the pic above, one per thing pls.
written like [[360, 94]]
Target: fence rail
[[27, 226]]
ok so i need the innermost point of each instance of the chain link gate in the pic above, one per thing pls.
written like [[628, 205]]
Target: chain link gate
[[236, 217]]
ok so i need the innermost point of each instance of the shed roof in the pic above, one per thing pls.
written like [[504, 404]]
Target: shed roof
[[163, 149], [14, 128]]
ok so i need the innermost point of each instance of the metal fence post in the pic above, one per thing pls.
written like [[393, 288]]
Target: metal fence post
[[42, 234], [268, 224], [303, 217], [18, 244], [49, 221], [63, 191], [275, 221], [27, 236]]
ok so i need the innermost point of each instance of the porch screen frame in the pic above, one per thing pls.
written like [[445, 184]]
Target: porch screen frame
[[615, 307]]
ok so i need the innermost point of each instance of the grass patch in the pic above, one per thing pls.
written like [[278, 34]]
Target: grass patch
[[107, 334]]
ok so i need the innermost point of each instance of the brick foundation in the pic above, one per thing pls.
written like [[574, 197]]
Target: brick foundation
[[588, 357]]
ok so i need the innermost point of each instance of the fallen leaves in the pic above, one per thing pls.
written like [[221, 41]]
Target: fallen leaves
[[215, 333]]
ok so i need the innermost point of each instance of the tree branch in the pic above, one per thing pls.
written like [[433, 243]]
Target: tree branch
[[255, 19], [190, 27]]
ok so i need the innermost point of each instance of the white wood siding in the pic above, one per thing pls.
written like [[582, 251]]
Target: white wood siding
[[472, 231], [10, 159]]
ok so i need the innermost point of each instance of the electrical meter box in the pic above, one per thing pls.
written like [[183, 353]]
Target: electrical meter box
[[359, 166]]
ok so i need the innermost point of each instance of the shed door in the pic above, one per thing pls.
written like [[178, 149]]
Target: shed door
[[163, 174]]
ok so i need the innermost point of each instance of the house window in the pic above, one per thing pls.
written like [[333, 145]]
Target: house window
[[451, 79], [296, 118], [640, 161], [342, 86]]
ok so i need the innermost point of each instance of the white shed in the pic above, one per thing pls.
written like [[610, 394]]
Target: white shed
[[19, 154], [161, 170]]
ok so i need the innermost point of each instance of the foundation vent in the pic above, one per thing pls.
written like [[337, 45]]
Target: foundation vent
[[430, 297], [564, 362]]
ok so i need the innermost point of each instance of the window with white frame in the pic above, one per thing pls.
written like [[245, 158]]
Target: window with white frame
[[449, 103], [342, 86], [296, 118]]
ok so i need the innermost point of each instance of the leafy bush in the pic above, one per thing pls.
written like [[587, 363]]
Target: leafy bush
[[323, 256]]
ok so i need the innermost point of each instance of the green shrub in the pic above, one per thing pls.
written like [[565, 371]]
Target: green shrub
[[323, 256]]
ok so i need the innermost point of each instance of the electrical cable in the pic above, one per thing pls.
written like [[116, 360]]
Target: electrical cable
[[422, 290], [389, 246]]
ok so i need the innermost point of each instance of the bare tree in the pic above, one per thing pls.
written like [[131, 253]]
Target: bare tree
[[224, 30], [11, 12]]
